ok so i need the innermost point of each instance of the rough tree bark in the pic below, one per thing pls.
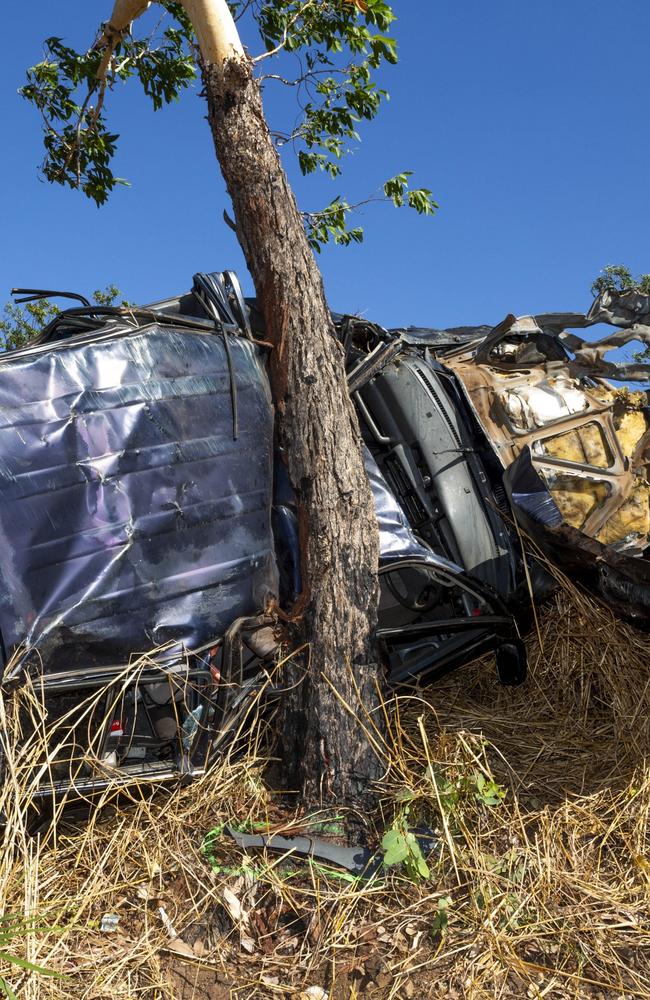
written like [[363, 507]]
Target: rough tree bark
[[326, 755], [324, 750]]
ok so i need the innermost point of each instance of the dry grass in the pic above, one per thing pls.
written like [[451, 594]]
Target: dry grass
[[548, 889]]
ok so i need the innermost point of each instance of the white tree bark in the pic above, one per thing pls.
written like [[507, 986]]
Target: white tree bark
[[212, 21], [125, 11], [215, 29]]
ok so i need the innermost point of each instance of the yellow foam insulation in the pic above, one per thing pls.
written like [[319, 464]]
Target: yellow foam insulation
[[629, 420], [632, 518], [585, 444], [576, 498], [630, 428], [541, 401]]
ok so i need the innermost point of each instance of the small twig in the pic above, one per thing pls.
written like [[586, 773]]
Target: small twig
[[281, 45], [229, 222]]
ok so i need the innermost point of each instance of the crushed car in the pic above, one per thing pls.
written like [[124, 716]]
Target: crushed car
[[143, 508]]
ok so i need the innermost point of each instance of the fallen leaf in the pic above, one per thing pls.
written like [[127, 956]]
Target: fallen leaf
[[233, 905], [181, 947]]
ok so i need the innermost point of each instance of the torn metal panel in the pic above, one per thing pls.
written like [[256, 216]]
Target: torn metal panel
[[589, 441], [622, 582], [424, 447], [360, 861], [129, 517], [397, 542]]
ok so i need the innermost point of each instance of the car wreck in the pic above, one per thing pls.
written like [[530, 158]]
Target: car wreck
[[148, 528]]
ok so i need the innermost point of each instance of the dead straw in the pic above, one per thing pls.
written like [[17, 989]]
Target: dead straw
[[548, 890]]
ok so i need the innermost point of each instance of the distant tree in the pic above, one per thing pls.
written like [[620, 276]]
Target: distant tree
[[618, 278], [20, 323]]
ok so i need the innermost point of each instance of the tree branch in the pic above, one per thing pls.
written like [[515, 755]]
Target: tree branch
[[342, 206], [124, 13]]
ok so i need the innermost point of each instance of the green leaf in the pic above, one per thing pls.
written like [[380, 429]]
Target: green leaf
[[395, 847], [440, 922], [6, 989], [423, 868], [22, 963]]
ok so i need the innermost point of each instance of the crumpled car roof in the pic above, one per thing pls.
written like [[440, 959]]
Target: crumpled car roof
[[129, 515]]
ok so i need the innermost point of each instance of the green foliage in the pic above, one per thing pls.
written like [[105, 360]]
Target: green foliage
[[487, 791], [401, 847], [618, 278], [331, 224], [336, 45], [21, 323], [109, 296], [421, 199], [440, 922], [79, 148], [453, 793]]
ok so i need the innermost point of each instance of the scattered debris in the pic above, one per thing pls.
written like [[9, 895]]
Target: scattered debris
[[109, 923], [315, 993]]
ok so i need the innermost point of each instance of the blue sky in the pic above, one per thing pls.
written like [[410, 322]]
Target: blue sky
[[528, 120]]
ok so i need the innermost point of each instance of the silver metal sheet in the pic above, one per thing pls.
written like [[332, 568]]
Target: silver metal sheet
[[129, 517]]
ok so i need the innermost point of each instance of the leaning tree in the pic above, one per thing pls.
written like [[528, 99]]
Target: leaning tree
[[336, 45]]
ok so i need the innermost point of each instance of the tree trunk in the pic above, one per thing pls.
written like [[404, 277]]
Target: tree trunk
[[326, 755]]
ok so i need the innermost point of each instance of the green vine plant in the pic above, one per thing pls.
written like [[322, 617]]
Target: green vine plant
[[440, 922], [475, 785], [327, 53], [452, 795]]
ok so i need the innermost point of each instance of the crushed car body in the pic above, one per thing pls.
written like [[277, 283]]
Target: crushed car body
[[575, 449], [144, 507]]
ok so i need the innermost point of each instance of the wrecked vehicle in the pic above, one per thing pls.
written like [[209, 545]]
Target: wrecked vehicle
[[574, 448], [143, 508], [479, 429]]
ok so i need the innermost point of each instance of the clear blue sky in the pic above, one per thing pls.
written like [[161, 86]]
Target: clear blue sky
[[529, 120]]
